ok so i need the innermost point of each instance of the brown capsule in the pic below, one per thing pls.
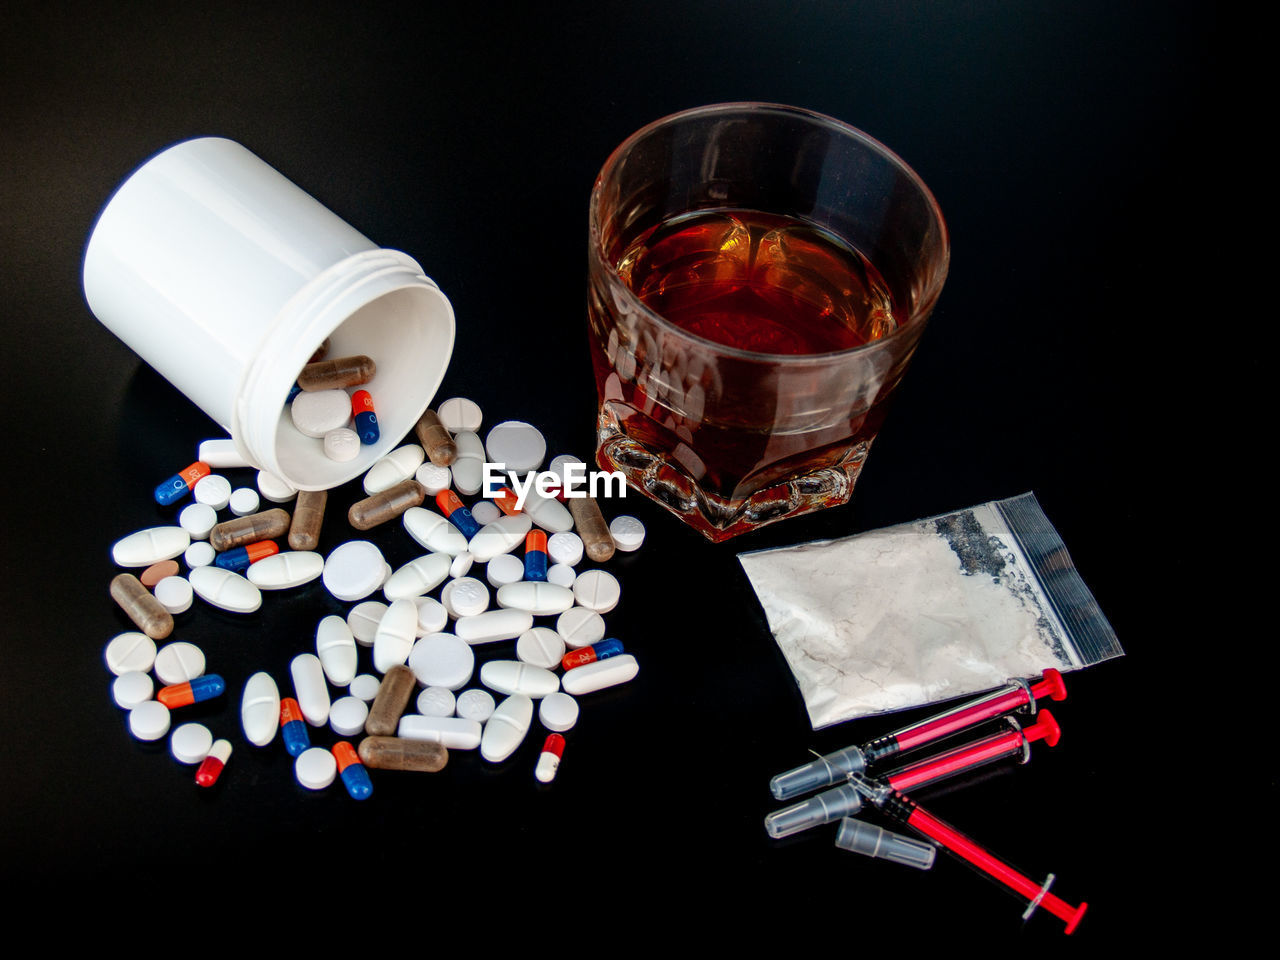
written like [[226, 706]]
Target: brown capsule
[[390, 503], [308, 517], [141, 607], [267, 525], [157, 572], [589, 523], [337, 374], [435, 439], [322, 351], [397, 753], [393, 696]]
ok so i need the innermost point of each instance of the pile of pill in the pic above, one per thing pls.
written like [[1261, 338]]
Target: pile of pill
[[435, 614], [321, 408]]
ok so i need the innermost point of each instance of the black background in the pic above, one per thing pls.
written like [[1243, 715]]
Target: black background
[[1058, 139]]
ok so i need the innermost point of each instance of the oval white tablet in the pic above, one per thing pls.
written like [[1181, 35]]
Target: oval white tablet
[[455, 733], [347, 716], [225, 590], [506, 729], [601, 674], [365, 687], [627, 533], [433, 531], [475, 704], [363, 619], [565, 548], [244, 501], [283, 571], [501, 536], [131, 689], [493, 625], [130, 652], [485, 511], [512, 676], [418, 576], [336, 648], [580, 627], [442, 660], [539, 598], [190, 743], [461, 565], [310, 688], [213, 490], [179, 663], [558, 712], [432, 616], [597, 590], [459, 413], [342, 445], [468, 463], [198, 519], [465, 597], [149, 721], [433, 478], [174, 593], [220, 454], [149, 546], [518, 445], [396, 467], [396, 634], [316, 767], [260, 709], [540, 647], [503, 569], [199, 554], [547, 513], [354, 570], [561, 574], [317, 412], [436, 702], [275, 489]]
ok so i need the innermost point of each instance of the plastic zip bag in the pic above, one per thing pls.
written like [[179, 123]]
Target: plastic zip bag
[[925, 611]]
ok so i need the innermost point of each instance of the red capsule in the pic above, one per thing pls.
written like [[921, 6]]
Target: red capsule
[[211, 768]]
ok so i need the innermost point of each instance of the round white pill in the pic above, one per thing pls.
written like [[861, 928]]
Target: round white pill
[[364, 687], [475, 704], [347, 715], [485, 511], [179, 663], [561, 574], [557, 466], [342, 445], [433, 478], [149, 721], [175, 594], [580, 627], [558, 712], [198, 519], [541, 647], [459, 413], [461, 565], [354, 570], [363, 619], [442, 660], [275, 489], [214, 491], [190, 743], [244, 501], [317, 412], [565, 548], [132, 688], [432, 616], [503, 569], [129, 652], [436, 702], [518, 445], [597, 590], [315, 768], [465, 597], [627, 533], [199, 555]]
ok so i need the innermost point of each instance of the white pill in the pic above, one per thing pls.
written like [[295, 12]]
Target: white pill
[[493, 625], [317, 412], [418, 577], [244, 501], [179, 663], [547, 513], [396, 634], [548, 764], [540, 599], [461, 565], [565, 548], [224, 589], [597, 590], [199, 554], [601, 674], [347, 716], [627, 533], [260, 709], [396, 467], [558, 712], [310, 689], [336, 648], [485, 511], [561, 574], [559, 464], [130, 652], [214, 491], [501, 536], [503, 569], [198, 519], [274, 488], [468, 463], [149, 546], [512, 676], [365, 687], [283, 571], [541, 647], [465, 597], [506, 729], [221, 454], [315, 768], [433, 478], [433, 531], [149, 721], [580, 627], [354, 570], [342, 445], [442, 660], [518, 445], [454, 733], [436, 702], [459, 413], [174, 593], [432, 616], [190, 743], [475, 704], [132, 688], [363, 619]]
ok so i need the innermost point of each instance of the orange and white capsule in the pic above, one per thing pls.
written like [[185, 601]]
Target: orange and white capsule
[[549, 761], [211, 767]]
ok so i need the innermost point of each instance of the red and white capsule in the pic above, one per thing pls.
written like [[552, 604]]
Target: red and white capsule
[[211, 767], [549, 760]]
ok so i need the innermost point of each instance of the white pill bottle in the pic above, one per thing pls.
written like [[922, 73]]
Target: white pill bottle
[[225, 277]]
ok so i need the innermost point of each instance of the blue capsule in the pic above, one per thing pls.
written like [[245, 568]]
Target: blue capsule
[[535, 555], [180, 484], [363, 414], [293, 392], [293, 728], [239, 559], [354, 775]]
